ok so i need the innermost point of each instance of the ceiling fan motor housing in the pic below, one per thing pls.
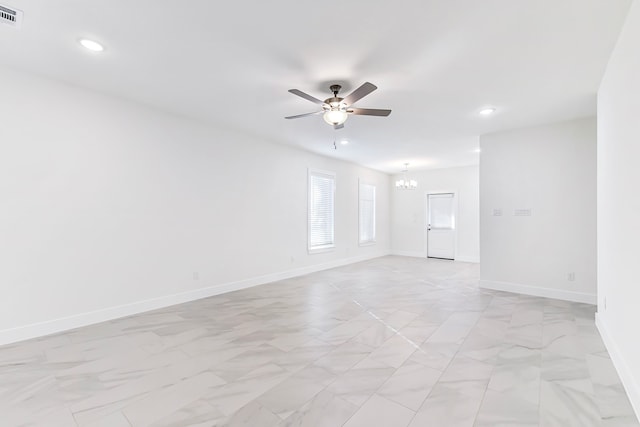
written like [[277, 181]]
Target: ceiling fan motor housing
[[334, 103]]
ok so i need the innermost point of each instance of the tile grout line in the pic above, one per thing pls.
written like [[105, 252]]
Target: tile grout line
[[442, 372]]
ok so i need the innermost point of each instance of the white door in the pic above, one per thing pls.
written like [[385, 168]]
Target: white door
[[441, 226]]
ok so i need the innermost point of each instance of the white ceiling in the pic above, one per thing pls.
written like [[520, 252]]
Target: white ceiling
[[436, 64]]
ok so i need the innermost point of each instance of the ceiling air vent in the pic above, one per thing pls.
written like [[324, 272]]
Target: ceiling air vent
[[10, 16]]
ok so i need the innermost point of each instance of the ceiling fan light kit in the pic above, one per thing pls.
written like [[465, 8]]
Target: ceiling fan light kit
[[336, 110], [335, 117]]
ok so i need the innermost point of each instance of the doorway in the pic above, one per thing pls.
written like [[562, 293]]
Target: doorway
[[441, 226]]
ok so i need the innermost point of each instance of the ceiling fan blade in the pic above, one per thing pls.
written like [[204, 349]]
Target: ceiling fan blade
[[340, 126], [306, 96], [360, 93], [304, 115], [369, 112]]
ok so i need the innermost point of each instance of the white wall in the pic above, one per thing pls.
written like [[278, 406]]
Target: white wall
[[109, 207], [619, 206], [550, 170], [408, 211]]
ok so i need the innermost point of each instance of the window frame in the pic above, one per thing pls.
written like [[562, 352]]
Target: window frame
[[327, 174]]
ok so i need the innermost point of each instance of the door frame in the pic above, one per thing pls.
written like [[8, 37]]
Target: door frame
[[426, 221]]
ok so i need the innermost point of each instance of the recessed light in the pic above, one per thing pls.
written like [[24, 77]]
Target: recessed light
[[91, 45], [487, 111], [344, 142]]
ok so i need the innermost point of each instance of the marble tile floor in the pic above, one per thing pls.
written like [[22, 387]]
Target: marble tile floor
[[391, 342]]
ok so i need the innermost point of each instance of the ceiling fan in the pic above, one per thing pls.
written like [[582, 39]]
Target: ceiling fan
[[336, 110]]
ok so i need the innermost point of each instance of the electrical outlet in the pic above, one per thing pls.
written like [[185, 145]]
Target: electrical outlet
[[196, 275], [572, 277]]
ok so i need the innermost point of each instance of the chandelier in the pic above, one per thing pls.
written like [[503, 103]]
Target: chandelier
[[406, 183]]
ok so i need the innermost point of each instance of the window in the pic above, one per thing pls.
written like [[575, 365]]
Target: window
[[321, 210], [367, 213]]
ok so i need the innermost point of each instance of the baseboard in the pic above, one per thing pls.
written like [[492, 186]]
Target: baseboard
[[423, 255], [468, 259], [624, 372], [539, 292], [41, 329], [409, 253]]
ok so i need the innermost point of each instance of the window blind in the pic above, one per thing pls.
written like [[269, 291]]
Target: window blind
[[321, 210], [367, 213]]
